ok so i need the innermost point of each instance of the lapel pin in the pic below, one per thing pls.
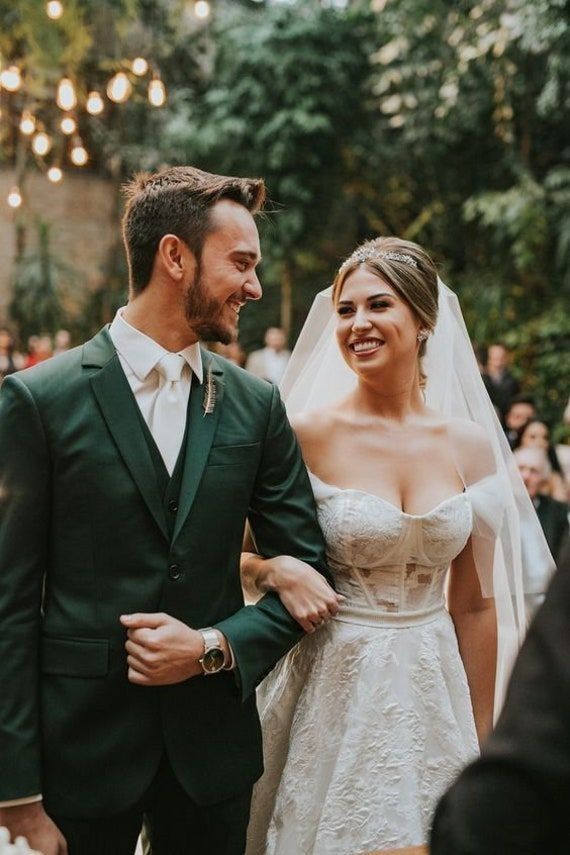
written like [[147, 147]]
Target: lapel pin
[[209, 401]]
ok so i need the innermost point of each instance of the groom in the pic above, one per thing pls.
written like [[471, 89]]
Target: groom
[[128, 467]]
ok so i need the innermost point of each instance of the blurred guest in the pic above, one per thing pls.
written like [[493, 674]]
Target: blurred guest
[[62, 342], [480, 352], [521, 410], [515, 799], [563, 448], [233, 352], [270, 362], [39, 348], [500, 383], [10, 359], [536, 434], [535, 470]]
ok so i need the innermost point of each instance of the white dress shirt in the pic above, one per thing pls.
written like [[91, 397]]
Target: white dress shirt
[[139, 355]]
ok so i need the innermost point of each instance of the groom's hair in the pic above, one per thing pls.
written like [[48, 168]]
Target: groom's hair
[[177, 201]]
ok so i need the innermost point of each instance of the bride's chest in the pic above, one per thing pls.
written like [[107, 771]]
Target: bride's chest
[[366, 531]]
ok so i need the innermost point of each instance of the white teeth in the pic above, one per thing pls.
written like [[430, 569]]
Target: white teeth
[[363, 346]]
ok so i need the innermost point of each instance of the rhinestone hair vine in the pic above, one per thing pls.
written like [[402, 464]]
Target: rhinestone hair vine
[[370, 253]]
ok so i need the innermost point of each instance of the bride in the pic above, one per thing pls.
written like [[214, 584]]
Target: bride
[[368, 719]]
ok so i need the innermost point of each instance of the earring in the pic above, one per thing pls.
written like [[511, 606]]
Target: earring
[[423, 335]]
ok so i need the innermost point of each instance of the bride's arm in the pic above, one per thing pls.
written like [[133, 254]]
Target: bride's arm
[[475, 623], [306, 595]]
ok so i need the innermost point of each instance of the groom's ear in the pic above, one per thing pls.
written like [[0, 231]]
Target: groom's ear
[[175, 257]]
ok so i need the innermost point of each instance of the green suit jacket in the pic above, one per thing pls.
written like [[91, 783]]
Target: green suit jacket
[[83, 539]]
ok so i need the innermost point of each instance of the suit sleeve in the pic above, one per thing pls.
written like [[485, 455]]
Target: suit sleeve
[[24, 519], [284, 522], [516, 798]]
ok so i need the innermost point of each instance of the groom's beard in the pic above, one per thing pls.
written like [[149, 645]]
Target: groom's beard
[[205, 315]]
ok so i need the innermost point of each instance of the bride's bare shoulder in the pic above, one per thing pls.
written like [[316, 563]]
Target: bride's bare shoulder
[[309, 425], [472, 445]]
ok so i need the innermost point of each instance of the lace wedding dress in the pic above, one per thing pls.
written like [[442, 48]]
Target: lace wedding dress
[[368, 720]]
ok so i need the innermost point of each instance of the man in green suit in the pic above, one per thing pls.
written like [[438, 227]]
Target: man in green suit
[[128, 468]]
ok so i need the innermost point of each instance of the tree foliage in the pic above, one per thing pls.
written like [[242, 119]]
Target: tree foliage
[[440, 122]]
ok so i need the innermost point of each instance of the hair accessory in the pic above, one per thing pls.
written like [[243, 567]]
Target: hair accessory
[[370, 253], [209, 401], [423, 335]]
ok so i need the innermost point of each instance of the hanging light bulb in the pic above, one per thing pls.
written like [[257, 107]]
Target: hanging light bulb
[[119, 88], [54, 9], [41, 144], [94, 105], [139, 66], [79, 155], [66, 97], [54, 174], [68, 125], [156, 92], [11, 78], [14, 197], [27, 123], [202, 9]]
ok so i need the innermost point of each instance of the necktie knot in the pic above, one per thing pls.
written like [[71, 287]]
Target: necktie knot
[[170, 367]]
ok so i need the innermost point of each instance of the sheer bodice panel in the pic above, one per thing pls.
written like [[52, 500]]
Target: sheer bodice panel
[[387, 562]]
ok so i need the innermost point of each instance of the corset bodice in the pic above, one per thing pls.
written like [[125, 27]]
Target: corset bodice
[[385, 561]]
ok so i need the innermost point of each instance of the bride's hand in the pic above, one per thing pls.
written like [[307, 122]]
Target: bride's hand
[[306, 595]]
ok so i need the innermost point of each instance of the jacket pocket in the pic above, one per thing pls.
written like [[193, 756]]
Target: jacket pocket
[[231, 455], [74, 657]]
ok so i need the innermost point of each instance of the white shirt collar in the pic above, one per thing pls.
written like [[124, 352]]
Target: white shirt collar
[[142, 353]]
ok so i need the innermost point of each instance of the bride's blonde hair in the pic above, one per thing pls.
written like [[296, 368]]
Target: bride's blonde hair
[[407, 268]]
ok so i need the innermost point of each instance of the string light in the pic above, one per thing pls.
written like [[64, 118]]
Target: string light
[[54, 174], [66, 97], [11, 78], [202, 9], [119, 88], [68, 125], [139, 66], [27, 123], [156, 92], [94, 105], [14, 197], [54, 9], [41, 144], [79, 156]]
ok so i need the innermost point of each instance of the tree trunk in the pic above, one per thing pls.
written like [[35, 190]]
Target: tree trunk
[[286, 299]]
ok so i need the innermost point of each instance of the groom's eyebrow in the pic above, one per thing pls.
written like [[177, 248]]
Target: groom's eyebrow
[[245, 253]]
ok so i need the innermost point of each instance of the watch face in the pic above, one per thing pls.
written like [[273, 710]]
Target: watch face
[[213, 660]]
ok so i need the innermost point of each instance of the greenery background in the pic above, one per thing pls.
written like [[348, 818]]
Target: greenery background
[[444, 123]]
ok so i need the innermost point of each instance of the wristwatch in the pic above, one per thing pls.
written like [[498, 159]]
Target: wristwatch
[[212, 659]]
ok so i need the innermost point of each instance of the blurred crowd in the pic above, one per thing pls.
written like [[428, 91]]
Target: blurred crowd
[[544, 466]]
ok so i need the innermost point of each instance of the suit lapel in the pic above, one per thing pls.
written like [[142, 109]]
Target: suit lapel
[[119, 409], [201, 430]]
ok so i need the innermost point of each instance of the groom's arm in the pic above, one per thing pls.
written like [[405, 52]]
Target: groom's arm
[[24, 519], [284, 522]]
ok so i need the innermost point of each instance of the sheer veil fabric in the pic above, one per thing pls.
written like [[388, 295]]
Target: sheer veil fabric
[[317, 376]]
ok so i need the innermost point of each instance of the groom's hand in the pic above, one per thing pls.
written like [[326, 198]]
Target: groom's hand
[[32, 822], [161, 650]]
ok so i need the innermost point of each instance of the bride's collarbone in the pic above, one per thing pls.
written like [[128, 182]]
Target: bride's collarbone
[[409, 481]]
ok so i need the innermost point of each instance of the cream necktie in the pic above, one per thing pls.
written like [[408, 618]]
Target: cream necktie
[[169, 414]]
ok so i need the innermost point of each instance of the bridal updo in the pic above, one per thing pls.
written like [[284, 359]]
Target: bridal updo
[[407, 268]]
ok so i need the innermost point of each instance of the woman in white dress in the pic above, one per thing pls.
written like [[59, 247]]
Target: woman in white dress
[[369, 718]]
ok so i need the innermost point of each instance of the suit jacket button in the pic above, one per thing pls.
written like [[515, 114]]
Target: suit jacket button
[[175, 572], [173, 506]]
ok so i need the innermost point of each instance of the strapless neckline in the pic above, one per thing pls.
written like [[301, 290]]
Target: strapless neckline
[[386, 502]]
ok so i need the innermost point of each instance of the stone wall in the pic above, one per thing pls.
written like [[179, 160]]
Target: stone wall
[[80, 210]]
